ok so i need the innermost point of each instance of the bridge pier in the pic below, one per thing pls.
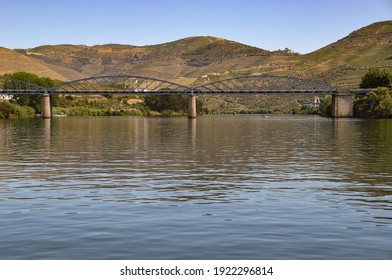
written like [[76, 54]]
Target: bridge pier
[[46, 110], [192, 106], [342, 105]]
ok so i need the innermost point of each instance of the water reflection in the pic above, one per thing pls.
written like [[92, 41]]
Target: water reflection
[[192, 132], [332, 174]]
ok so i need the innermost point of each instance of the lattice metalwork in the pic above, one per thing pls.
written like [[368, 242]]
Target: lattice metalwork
[[264, 85], [11, 86], [119, 85], [144, 85]]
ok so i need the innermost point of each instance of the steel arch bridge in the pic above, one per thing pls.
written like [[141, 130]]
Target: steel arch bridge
[[145, 85], [11, 86], [341, 101], [119, 85], [265, 85], [97, 85]]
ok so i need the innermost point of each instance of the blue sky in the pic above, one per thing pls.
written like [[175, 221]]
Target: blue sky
[[303, 25]]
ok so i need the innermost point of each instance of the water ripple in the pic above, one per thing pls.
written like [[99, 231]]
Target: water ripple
[[244, 187]]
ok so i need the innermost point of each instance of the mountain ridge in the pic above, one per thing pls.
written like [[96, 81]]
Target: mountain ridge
[[200, 59]]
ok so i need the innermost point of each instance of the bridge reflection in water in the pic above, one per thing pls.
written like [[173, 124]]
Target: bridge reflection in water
[[123, 84]]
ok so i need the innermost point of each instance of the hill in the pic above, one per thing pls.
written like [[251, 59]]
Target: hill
[[12, 61], [344, 62], [198, 60], [172, 60]]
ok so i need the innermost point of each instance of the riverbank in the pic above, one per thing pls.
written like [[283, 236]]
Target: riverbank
[[89, 106]]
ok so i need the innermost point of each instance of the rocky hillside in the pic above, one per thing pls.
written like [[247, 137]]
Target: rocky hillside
[[344, 62], [174, 60], [198, 60], [12, 61]]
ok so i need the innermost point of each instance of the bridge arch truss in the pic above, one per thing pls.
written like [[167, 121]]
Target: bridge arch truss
[[11, 86], [342, 103], [119, 85], [145, 85], [265, 85]]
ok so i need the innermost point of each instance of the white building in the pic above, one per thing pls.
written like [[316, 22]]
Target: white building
[[316, 102], [6, 96]]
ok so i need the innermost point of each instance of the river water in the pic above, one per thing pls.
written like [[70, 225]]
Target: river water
[[219, 187]]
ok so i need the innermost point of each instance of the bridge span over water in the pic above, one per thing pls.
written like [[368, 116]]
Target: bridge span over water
[[129, 84]]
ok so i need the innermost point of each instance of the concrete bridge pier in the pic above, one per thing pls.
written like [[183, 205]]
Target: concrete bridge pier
[[192, 106], [47, 110], [342, 105]]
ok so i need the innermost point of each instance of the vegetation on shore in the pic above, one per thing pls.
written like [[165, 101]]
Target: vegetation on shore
[[26, 100], [91, 105], [9, 110], [199, 60], [376, 103]]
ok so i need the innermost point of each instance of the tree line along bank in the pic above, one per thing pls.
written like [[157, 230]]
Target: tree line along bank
[[376, 103]]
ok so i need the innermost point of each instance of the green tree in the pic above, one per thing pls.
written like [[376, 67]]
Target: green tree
[[34, 101], [376, 77], [6, 109], [326, 107], [385, 107], [374, 104]]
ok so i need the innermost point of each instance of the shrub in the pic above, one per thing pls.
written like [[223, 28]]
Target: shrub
[[374, 104], [24, 111], [6, 109], [326, 107], [376, 77]]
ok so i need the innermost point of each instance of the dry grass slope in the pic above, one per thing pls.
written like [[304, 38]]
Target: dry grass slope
[[199, 60]]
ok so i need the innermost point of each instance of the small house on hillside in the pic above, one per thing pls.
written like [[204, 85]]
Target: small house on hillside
[[315, 104], [6, 96]]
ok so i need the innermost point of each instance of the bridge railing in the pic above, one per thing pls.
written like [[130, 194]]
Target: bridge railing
[[144, 85], [119, 85], [265, 85], [11, 86]]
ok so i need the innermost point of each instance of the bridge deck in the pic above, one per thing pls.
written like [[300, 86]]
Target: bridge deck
[[145, 85], [107, 92]]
